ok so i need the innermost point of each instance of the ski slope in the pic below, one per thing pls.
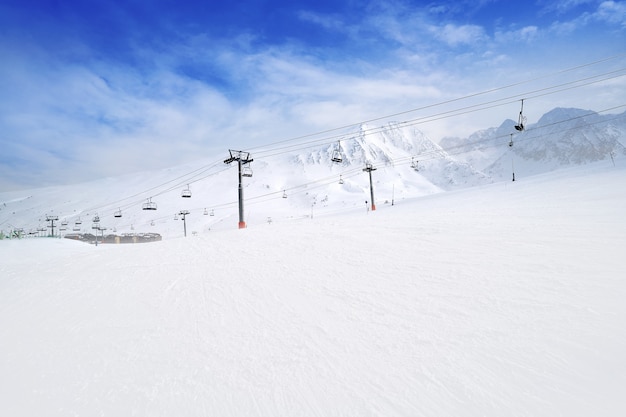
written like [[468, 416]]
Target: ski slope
[[504, 299]]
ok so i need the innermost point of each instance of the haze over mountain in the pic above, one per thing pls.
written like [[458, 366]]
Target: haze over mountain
[[560, 138], [299, 179]]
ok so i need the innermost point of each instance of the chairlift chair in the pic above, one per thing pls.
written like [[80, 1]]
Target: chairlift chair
[[149, 205], [511, 141], [284, 193], [336, 156], [340, 180], [414, 164], [118, 213], [246, 171], [206, 212], [96, 219], [212, 212], [186, 193], [521, 119]]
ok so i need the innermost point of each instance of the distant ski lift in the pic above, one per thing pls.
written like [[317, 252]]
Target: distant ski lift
[[78, 222], [149, 205], [212, 212], [186, 193], [64, 223], [96, 219], [206, 212], [340, 180], [76, 228], [246, 171], [118, 213], [284, 193], [414, 164], [152, 223], [511, 141], [521, 119], [336, 157], [175, 216]]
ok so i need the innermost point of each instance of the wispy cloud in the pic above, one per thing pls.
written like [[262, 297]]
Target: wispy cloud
[[78, 111], [455, 35]]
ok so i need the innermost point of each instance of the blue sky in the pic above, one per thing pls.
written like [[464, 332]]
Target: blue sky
[[99, 88]]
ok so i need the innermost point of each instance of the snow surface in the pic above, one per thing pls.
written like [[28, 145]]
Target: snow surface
[[500, 300]]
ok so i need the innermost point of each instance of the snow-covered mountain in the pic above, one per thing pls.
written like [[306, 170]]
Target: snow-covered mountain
[[307, 177], [563, 137], [296, 180]]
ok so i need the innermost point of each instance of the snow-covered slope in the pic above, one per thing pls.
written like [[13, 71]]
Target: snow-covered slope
[[307, 176], [503, 299], [408, 165]]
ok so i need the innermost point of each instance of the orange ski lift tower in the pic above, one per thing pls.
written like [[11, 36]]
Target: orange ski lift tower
[[243, 163], [369, 168]]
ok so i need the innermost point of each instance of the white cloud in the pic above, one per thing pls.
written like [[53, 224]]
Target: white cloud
[[607, 12], [563, 6], [455, 35], [241, 93], [332, 22], [611, 12]]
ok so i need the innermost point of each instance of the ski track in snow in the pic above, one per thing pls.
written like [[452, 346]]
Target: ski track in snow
[[505, 299]]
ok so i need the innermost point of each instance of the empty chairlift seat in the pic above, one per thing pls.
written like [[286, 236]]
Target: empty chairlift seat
[[149, 205]]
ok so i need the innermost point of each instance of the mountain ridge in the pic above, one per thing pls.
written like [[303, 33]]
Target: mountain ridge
[[306, 182]]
